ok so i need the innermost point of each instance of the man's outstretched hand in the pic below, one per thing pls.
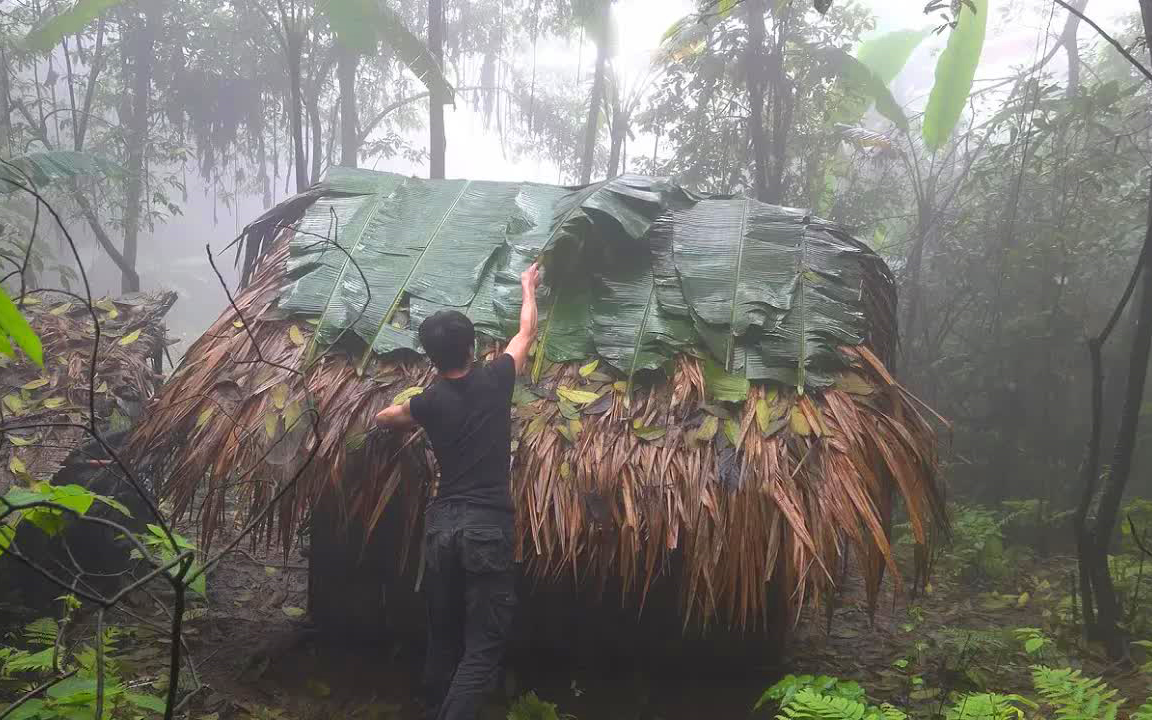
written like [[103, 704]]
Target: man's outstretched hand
[[518, 346], [530, 278]]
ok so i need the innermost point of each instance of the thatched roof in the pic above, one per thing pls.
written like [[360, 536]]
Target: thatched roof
[[709, 396], [132, 336]]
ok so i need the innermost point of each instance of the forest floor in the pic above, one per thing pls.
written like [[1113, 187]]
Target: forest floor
[[257, 656]]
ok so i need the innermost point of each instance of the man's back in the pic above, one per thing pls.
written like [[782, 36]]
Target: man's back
[[469, 422]]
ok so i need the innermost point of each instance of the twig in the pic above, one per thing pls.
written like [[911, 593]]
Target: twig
[[36, 691]]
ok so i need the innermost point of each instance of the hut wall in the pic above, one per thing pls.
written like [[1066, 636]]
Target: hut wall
[[366, 593]]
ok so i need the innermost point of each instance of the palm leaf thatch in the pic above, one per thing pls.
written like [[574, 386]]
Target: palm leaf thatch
[[54, 398], [709, 397]]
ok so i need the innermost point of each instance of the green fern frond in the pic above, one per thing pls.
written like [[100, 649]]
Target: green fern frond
[[811, 705], [1144, 712], [1075, 697], [41, 632], [990, 706]]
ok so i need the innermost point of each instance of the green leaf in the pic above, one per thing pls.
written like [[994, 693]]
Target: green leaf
[[130, 338], [1033, 644], [887, 54], [293, 612], [405, 395], [590, 368], [577, 397], [732, 432], [432, 242], [14, 326], [707, 429], [646, 432], [955, 71], [44, 168], [147, 702], [723, 386], [69, 22], [296, 336], [860, 78]]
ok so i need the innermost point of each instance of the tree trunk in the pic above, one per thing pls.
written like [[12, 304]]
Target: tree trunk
[[1093, 546], [782, 105], [346, 72], [754, 73], [317, 138], [141, 43], [595, 98], [5, 105], [296, 101], [437, 145], [619, 131]]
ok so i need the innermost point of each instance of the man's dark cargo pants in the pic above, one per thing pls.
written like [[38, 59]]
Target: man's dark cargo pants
[[470, 585]]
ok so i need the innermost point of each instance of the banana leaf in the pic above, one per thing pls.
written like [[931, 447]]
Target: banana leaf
[[636, 271]]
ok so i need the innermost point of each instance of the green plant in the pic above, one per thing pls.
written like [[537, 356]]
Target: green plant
[[157, 541], [530, 707], [45, 506], [822, 697], [1033, 640], [1075, 697], [15, 329], [75, 696], [989, 706]]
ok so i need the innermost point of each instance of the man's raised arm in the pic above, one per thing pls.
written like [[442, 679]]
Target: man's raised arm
[[519, 345]]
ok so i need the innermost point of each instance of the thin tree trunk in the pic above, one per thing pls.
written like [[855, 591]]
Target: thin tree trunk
[[5, 104], [346, 72], [782, 104], [754, 72], [619, 131], [317, 138], [296, 100], [437, 141], [142, 43], [596, 97]]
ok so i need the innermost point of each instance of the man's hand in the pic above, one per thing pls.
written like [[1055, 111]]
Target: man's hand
[[396, 417], [530, 278], [519, 345]]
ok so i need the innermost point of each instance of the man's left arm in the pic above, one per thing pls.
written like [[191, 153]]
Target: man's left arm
[[396, 417]]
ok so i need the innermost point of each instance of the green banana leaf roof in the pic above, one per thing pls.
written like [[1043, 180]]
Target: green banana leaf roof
[[637, 270]]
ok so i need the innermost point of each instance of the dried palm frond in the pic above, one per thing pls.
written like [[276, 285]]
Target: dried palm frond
[[132, 338], [730, 498]]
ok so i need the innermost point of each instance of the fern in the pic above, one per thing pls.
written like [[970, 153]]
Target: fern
[[1075, 697], [989, 706], [807, 704], [41, 632], [1144, 712], [785, 689]]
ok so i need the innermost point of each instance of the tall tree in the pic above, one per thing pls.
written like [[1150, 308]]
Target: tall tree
[[437, 142], [140, 36], [346, 67], [597, 23], [756, 78]]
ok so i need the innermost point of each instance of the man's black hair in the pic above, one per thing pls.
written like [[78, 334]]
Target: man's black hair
[[448, 337]]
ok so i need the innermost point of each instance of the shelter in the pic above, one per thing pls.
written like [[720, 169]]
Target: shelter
[[709, 415], [50, 406], [128, 372]]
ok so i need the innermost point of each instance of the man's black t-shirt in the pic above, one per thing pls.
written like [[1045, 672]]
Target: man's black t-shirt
[[469, 421]]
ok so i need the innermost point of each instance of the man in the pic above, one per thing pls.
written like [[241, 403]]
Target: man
[[469, 578]]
